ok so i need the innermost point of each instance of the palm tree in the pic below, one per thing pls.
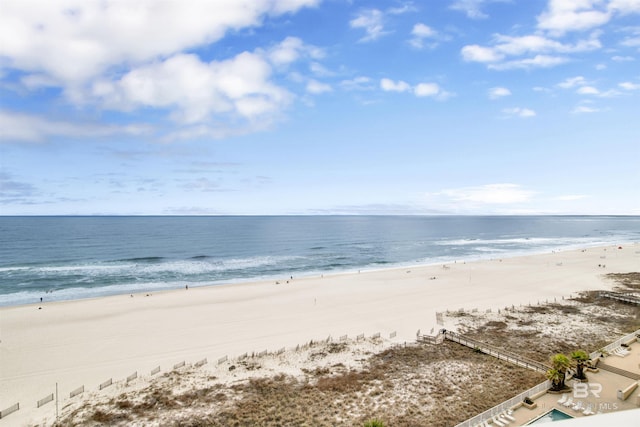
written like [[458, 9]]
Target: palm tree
[[556, 377], [580, 359], [560, 363]]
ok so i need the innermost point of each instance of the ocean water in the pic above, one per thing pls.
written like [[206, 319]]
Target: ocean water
[[64, 258]]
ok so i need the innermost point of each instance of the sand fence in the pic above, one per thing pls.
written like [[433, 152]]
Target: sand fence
[[76, 392], [45, 400], [176, 367], [440, 315], [10, 410]]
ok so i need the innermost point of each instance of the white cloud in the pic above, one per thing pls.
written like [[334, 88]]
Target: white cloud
[[217, 130], [83, 39], [587, 106], [420, 32], [389, 85], [631, 42], [421, 90], [572, 82], [315, 87], [625, 6], [476, 53], [196, 90], [286, 52], [519, 112], [30, 128], [426, 89], [99, 58], [563, 16], [538, 61], [490, 194], [588, 90], [358, 83], [405, 8], [585, 109], [594, 91], [629, 86], [619, 58], [585, 87], [611, 93], [371, 21], [498, 92], [544, 50], [320, 70], [36, 81], [537, 44], [290, 50], [472, 8]]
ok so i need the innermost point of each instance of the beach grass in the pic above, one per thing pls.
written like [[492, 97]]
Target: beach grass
[[419, 384]]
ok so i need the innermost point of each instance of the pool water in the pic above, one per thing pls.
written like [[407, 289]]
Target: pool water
[[552, 415]]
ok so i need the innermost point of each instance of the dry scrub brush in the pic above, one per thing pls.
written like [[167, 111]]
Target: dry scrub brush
[[414, 385], [537, 332]]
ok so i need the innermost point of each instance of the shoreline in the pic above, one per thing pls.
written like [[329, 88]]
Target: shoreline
[[319, 274], [85, 342]]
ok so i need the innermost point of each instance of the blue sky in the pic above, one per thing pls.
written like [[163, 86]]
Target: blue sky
[[320, 107]]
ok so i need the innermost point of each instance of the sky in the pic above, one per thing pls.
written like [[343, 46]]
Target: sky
[[295, 107]]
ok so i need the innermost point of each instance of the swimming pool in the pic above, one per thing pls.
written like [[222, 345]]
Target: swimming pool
[[552, 415]]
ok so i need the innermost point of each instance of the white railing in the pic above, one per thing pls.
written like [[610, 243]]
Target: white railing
[[504, 406], [609, 348]]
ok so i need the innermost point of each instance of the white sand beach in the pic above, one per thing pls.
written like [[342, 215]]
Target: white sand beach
[[88, 342]]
